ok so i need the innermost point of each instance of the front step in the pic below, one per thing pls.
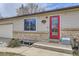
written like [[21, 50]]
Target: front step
[[54, 47], [54, 40]]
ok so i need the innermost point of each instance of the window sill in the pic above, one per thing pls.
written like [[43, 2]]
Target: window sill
[[30, 31]]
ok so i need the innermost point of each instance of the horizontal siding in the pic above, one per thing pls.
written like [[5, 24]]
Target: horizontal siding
[[68, 20]]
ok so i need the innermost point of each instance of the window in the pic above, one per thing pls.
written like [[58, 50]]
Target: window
[[30, 24]]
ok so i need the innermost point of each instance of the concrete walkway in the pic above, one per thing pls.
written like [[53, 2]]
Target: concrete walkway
[[31, 51], [54, 47]]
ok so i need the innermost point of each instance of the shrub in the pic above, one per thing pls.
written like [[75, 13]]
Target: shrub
[[14, 43]]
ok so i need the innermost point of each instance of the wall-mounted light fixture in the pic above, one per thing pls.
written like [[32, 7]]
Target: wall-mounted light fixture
[[43, 21], [46, 16]]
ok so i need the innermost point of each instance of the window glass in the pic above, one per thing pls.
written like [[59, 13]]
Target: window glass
[[55, 25], [30, 24]]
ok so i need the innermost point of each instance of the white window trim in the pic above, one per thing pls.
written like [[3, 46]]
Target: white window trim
[[30, 30]]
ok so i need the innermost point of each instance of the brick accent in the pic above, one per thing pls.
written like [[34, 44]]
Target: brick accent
[[32, 36], [70, 34], [43, 37]]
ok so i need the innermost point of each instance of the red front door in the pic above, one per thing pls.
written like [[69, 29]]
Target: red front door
[[54, 27]]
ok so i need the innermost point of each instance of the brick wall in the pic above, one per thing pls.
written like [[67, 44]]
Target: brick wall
[[42, 36], [31, 36], [70, 34]]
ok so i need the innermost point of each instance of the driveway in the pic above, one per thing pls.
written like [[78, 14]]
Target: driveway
[[4, 41]]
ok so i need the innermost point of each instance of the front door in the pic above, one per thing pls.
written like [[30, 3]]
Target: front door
[[54, 27]]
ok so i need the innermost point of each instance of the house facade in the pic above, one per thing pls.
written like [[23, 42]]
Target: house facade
[[42, 26]]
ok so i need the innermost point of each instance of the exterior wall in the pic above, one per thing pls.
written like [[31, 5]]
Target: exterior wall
[[19, 25], [70, 34], [69, 19], [18, 29], [32, 36]]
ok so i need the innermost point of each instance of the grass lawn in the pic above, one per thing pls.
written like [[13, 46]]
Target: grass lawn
[[9, 54]]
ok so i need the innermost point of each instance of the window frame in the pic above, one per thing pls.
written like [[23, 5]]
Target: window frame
[[30, 30]]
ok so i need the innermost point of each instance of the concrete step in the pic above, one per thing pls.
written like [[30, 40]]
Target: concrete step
[[54, 47]]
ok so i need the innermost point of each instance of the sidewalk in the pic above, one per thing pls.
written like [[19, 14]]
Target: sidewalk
[[32, 51], [54, 47]]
